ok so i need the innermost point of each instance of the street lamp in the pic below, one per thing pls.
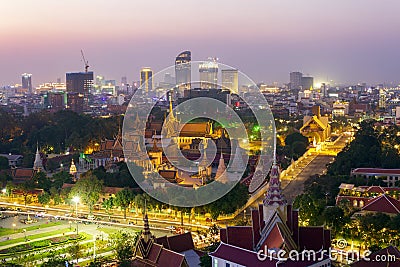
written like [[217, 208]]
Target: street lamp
[[13, 225], [76, 200], [94, 247]]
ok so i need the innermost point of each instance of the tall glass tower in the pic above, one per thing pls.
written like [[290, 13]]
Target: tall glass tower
[[209, 74], [146, 75], [183, 70], [27, 82]]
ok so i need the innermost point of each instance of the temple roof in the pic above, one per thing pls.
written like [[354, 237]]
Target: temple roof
[[383, 203]]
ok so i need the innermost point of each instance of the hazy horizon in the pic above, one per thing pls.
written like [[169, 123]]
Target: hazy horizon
[[344, 41]]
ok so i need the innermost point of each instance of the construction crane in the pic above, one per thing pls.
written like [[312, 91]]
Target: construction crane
[[85, 61]]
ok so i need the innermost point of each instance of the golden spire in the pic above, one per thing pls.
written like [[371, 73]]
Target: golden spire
[[171, 113]]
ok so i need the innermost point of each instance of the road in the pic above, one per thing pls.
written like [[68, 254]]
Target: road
[[310, 164], [296, 186], [131, 221]]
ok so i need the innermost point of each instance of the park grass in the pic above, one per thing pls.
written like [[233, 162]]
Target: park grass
[[106, 258], [47, 252], [9, 231], [110, 231], [33, 237]]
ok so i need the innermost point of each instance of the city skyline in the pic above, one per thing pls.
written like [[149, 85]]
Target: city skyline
[[347, 42]]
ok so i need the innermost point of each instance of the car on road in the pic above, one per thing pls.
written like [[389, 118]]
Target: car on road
[[171, 228]]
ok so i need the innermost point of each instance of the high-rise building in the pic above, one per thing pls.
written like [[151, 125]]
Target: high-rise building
[[209, 74], [324, 90], [295, 80], [230, 80], [79, 82], [27, 82], [124, 85], [124, 80], [55, 101], [382, 99], [183, 70], [79, 86], [75, 102], [307, 83], [146, 75]]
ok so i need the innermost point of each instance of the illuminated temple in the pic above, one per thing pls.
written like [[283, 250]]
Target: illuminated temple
[[159, 145]]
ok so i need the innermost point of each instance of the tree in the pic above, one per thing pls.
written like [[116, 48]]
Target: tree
[[123, 199], [98, 262], [9, 188], [235, 199], [334, 218], [123, 243], [44, 198], [395, 223], [42, 181], [88, 188], [205, 260], [297, 144], [60, 178], [55, 195], [139, 202], [309, 209], [51, 165], [4, 163], [26, 189], [108, 205], [55, 260], [75, 250], [4, 178]]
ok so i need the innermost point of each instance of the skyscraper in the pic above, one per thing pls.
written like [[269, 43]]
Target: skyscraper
[[79, 86], [79, 82], [183, 70], [230, 80], [307, 83], [382, 99], [146, 75], [27, 82], [209, 74], [295, 80]]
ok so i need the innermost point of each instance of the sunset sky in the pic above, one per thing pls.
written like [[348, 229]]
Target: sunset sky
[[342, 40]]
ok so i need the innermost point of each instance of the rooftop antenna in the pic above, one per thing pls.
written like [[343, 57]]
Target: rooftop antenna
[[85, 61]]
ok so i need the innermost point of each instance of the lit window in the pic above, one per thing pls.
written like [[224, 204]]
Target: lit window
[[355, 203], [215, 262]]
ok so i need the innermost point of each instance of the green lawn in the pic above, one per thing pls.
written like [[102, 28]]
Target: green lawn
[[57, 250], [9, 231], [33, 237], [111, 231]]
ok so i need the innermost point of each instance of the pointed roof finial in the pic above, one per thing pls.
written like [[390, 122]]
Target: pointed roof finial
[[274, 155], [38, 163], [171, 113], [146, 232]]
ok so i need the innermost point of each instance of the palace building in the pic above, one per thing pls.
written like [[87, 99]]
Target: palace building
[[275, 227]]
